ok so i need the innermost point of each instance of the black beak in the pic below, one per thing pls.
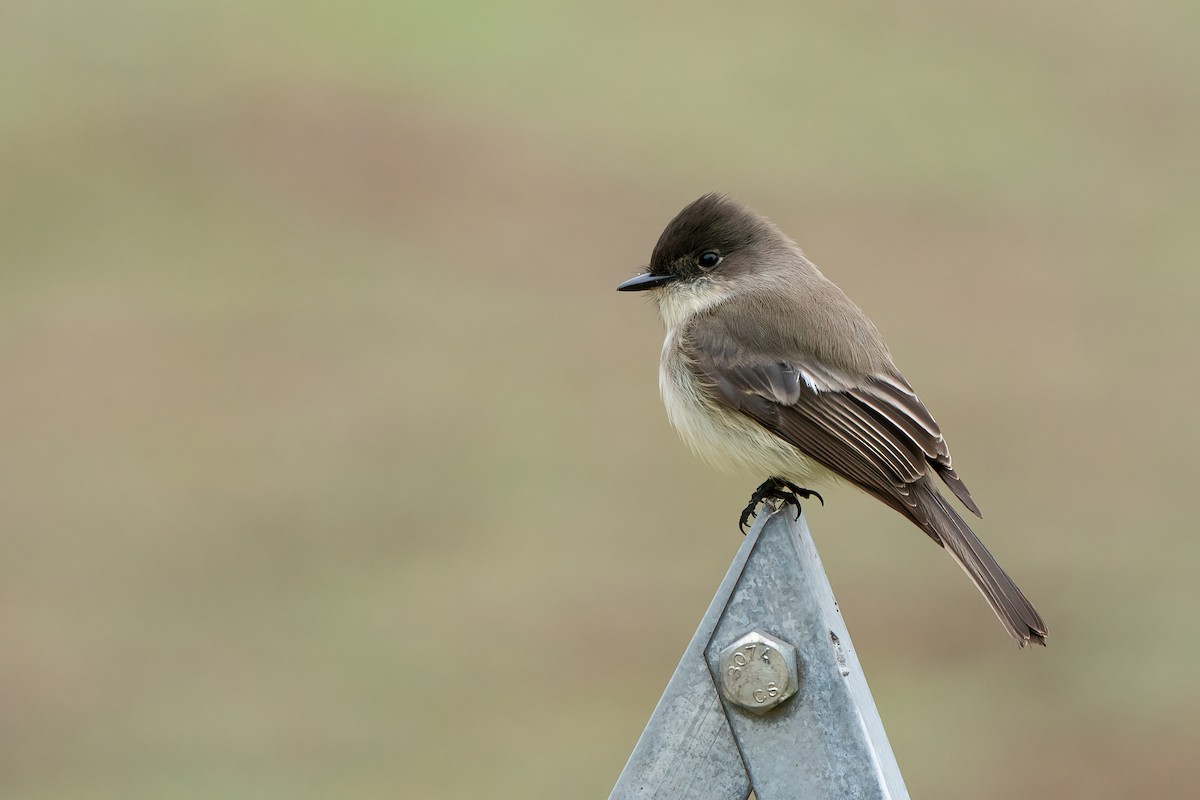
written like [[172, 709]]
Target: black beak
[[647, 280]]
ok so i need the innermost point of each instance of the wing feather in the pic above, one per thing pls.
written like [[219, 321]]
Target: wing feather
[[873, 431]]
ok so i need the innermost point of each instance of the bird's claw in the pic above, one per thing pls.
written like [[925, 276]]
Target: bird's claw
[[775, 489]]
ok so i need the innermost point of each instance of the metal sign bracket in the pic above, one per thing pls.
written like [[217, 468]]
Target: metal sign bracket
[[769, 695]]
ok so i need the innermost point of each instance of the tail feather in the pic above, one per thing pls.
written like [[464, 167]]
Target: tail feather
[[942, 522]]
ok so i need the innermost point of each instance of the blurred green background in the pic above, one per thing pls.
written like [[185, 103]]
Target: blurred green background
[[333, 465]]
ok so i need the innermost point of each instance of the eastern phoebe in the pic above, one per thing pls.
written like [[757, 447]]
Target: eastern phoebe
[[769, 368]]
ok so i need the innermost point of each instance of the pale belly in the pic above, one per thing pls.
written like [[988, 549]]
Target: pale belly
[[726, 439]]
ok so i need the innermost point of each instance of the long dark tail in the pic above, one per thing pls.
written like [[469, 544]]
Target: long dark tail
[[943, 523]]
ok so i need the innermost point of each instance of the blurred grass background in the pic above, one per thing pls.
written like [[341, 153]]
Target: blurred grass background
[[333, 466]]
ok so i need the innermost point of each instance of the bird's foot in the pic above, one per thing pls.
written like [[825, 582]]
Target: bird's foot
[[775, 489]]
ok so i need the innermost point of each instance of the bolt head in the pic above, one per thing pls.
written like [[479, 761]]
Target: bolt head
[[758, 672]]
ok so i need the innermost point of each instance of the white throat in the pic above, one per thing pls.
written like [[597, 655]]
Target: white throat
[[680, 302]]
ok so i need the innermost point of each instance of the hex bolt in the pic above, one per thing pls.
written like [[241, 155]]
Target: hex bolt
[[758, 672]]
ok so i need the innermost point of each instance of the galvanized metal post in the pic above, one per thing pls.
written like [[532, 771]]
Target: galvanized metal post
[[769, 694]]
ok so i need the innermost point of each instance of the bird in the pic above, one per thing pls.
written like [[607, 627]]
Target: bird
[[768, 367]]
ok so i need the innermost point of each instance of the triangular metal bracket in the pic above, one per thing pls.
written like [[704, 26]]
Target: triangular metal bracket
[[825, 742]]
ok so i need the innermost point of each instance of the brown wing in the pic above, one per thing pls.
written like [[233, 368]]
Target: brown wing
[[873, 430]]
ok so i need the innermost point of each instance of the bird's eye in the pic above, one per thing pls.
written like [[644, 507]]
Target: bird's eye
[[708, 259]]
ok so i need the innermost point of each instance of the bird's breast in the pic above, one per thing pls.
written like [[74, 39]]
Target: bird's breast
[[721, 436]]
